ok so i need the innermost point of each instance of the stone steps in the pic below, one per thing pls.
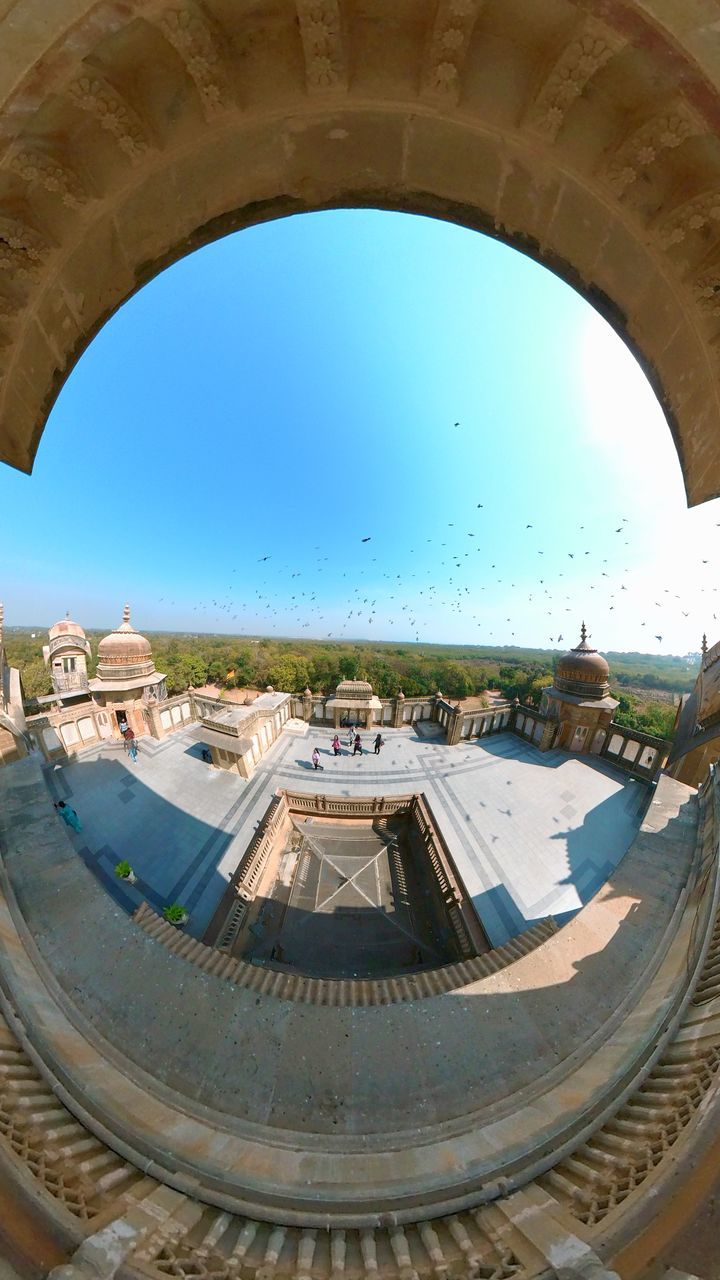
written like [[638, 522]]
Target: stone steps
[[347, 991]]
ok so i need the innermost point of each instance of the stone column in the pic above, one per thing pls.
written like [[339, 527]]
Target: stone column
[[436, 706], [398, 709], [548, 736], [156, 728], [307, 706], [454, 726]]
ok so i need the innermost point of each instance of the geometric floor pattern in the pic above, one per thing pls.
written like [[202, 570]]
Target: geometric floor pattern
[[533, 834]]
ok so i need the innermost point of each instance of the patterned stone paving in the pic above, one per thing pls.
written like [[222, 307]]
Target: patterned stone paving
[[532, 834]]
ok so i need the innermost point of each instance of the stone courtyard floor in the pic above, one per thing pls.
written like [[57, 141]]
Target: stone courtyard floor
[[532, 834]]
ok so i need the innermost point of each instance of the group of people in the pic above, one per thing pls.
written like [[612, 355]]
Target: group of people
[[354, 741]]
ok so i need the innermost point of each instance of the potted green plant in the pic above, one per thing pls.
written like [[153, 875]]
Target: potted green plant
[[125, 872], [176, 914]]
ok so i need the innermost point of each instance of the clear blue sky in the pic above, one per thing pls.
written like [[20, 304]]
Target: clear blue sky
[[293, 389]]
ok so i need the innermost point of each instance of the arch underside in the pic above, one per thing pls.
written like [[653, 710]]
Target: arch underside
[[584, 134]]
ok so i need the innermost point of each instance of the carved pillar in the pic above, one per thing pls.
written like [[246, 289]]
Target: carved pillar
[[398, 709], [307, 706], [455, 726], [436, 706], [154, 721]]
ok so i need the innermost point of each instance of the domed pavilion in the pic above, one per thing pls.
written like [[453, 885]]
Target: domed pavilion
[[580, 698], [66, 654], [354, 703], [126, 679]]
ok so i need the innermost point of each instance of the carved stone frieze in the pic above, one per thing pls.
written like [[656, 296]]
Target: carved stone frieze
[[642, 147], [591, 47], [37, 167], [447, 48], [190, 33], [323, 44], [691, 215], [92, 93]]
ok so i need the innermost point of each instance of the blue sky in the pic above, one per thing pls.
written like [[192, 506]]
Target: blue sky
[[294, 388]]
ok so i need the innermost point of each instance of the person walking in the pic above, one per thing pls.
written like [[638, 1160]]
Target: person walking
[[133, 749], [336, 745], [351, 734], [316, 760], [357, 745], [68, 815], [378, 744]]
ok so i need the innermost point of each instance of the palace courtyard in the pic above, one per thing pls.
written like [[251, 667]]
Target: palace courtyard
[[532, 834]]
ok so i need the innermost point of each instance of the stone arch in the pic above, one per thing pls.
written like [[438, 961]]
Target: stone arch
[[131, 134]]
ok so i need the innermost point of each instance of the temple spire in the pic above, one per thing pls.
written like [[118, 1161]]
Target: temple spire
[[583, 633], [126, 613], [703, 646]]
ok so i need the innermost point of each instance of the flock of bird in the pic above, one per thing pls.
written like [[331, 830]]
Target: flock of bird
[[351, 589]]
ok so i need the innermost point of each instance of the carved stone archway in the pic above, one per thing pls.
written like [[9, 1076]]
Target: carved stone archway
[[584, 132], [132, 131]]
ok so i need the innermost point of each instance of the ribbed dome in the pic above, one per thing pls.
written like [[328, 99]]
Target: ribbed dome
[[124, 653], [583, 671], [66, 627], [354, 689]]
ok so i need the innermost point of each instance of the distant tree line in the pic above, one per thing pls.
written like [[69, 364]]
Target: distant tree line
[[293, 665]]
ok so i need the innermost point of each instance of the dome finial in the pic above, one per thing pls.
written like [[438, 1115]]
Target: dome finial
[[583, 633], [126, 613]]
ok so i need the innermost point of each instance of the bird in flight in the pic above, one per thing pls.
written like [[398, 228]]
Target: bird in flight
[[364, 539], [263, 558]]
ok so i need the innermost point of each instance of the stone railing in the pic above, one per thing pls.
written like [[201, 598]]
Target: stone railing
[[395, 712], [468, 931], [641, 754], [252, 866], [65, 730], [346, 806]]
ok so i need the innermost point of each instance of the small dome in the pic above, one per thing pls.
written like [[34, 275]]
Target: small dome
[[401, 695], [307, 693], [66, 628], [583, 670], [354, 689], [269, 688], [124, 653]]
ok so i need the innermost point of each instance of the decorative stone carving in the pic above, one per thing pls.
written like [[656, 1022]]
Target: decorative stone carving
[[642, 147], [190, 33], [323, 45], [707, 292], [17, 261], [691, 216], [19, 236], [592, 46], [49, 173], [93, 94], [448, 46]]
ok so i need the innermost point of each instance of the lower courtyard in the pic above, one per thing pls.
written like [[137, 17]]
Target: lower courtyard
[[531, 834]]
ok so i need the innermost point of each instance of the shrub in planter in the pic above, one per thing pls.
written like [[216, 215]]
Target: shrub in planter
[[176, 914], [125, 872]]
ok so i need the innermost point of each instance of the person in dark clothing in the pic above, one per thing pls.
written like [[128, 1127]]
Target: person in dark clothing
[[357, 745], [378, 744]]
